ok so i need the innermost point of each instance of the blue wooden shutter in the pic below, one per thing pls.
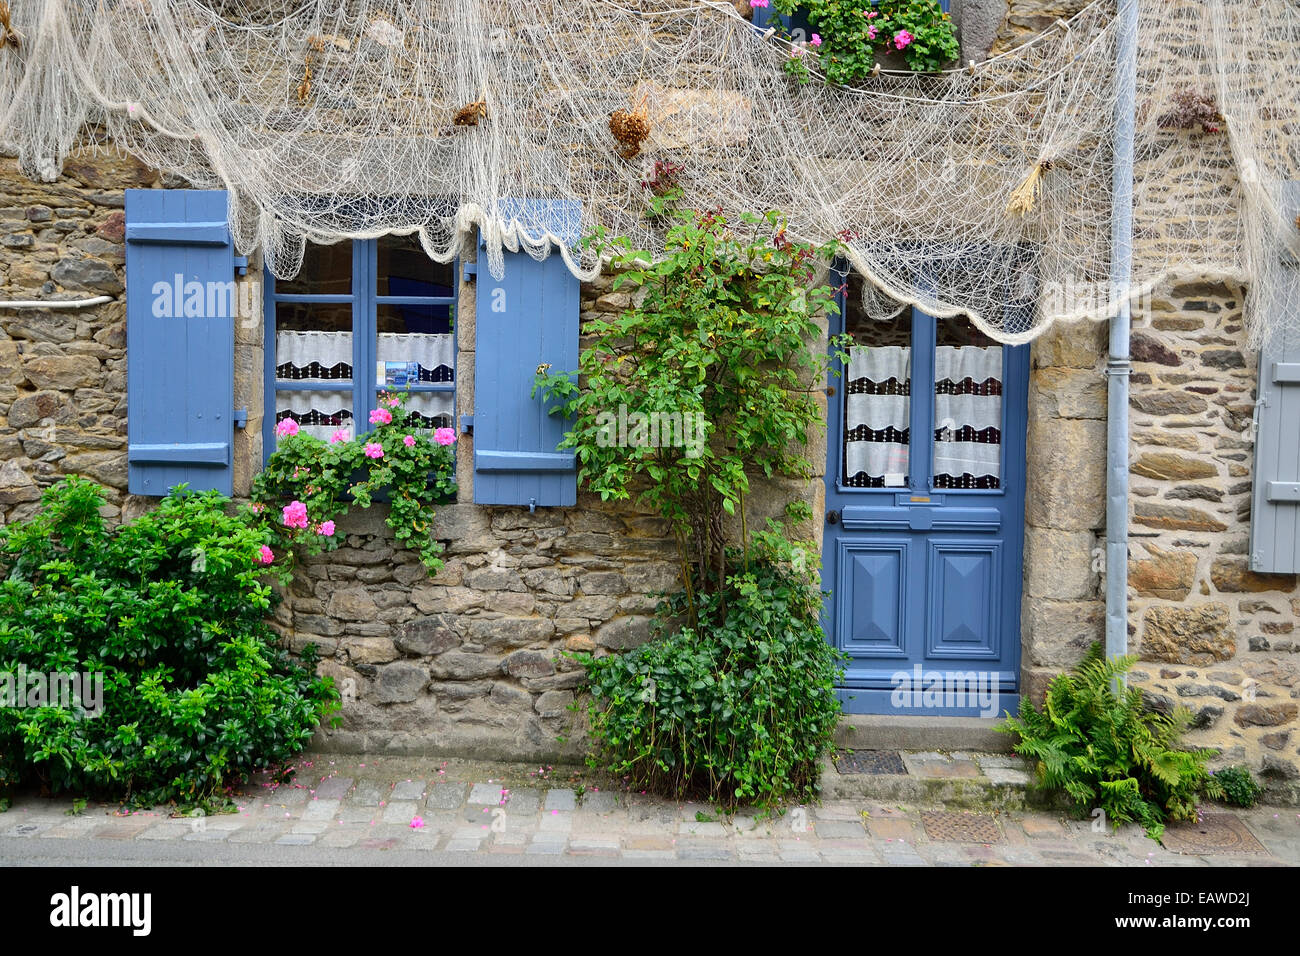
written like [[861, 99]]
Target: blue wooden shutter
[[180, 340], [527, 319], [1275, 508]]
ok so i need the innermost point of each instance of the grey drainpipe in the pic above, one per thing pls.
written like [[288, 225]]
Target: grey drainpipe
[[1118, 364]]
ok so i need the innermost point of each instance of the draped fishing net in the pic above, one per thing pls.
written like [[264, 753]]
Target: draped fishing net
[[985, 190]]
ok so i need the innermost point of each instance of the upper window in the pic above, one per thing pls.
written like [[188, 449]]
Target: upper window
[[360, 318], [922, 402]]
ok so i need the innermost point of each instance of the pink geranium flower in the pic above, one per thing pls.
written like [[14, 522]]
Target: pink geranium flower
[[390, 400], [294, 515], [816, 40], [758, 3], [381, 416], [374, 449], [286, 427], [417, 823], [444, 436], [326, 528], [873, 31], [267, 555], [340, 435], [902, 38], [409, 441]]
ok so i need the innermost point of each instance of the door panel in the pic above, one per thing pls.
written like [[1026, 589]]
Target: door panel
[[963, 599], [925, 509], [874, 612]]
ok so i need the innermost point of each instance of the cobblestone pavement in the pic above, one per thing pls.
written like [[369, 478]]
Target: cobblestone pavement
[[462, 807]]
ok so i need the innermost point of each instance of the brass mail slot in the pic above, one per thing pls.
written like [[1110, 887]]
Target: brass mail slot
[[920, 499]]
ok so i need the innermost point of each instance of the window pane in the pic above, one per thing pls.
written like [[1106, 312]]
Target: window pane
[[877, 396], [326, 270], [415, 359], [313, 342], [313, 317], [403, 268], [967, 407], [428, 319], [317, 413], [432, 409]]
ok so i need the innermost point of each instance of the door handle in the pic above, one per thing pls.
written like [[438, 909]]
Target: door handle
[[832, 517]]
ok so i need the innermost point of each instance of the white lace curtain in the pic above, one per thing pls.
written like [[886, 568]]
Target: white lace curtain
[[317, 413], [968, 417], [877, 419], [327, 356], [314, 355]]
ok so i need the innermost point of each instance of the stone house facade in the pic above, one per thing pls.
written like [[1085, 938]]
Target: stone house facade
[[471, 661]]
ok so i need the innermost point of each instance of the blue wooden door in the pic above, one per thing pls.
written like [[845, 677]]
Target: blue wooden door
[[925, 485]]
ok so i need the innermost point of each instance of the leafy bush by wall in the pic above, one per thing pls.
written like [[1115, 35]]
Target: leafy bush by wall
[[171, 612], [736, 700], [739, 708], [1239, 785]]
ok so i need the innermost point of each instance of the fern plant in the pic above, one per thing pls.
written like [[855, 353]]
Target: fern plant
[[1095, 740]]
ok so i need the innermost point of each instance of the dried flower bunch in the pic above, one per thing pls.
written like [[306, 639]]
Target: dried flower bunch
[[1192, 108], [630, 129], [470, 113], [8, 36], [314, 45], [1025, 196]]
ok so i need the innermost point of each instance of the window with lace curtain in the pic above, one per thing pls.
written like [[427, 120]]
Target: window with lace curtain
[[360, 318]]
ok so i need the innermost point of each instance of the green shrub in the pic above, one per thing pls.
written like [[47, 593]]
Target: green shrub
[[735, 699], [1106, 750], [740, 708], [1239, 786], [170, 610]]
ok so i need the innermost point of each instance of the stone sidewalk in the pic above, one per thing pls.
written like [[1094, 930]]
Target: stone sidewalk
[[460, 806]]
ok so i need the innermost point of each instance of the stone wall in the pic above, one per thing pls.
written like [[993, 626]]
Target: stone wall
[[63, 373], [472, 660], [1024, 19], [1063, 605], [1211, 634]]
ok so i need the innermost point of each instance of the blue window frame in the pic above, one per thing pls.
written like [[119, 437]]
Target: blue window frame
[[361, 317]]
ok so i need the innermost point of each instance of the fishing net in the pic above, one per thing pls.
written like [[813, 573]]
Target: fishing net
[[985, 190]]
